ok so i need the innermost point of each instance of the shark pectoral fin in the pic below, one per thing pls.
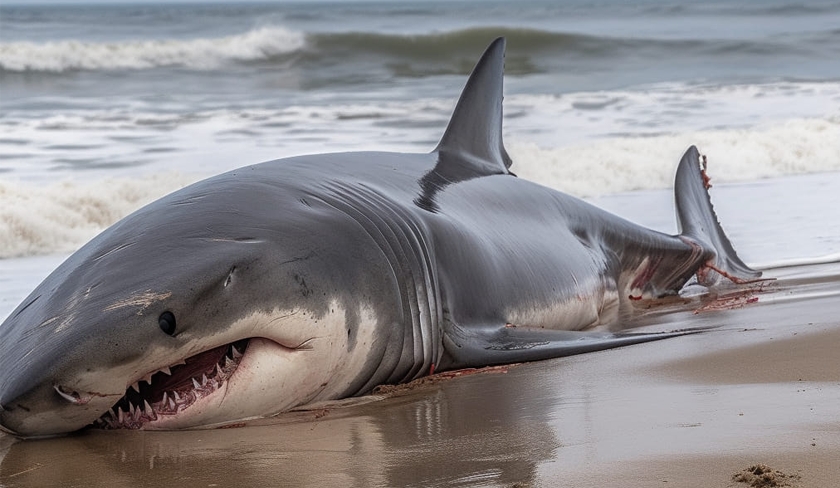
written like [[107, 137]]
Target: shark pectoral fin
[[699, 223], [477, 345]]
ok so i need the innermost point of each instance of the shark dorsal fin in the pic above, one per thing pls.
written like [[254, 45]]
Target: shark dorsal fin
[[474, 134]]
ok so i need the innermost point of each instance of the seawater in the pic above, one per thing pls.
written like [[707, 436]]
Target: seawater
[[104, 108]]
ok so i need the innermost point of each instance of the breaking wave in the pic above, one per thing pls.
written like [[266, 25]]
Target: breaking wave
[[202, 53], [59, 218], [38, 219], [529, 50], [624, 164]]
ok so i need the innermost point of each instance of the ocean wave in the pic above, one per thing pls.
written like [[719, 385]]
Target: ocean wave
[[37, 219], [203, 53], [457, 42], [59, 218], [448, 53], [623, 164], [273, 42], [453, 52]]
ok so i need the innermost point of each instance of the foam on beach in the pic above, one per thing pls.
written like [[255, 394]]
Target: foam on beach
[[59, 217], [645, 163]]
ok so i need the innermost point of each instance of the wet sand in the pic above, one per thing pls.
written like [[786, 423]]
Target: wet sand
[[761, 388]]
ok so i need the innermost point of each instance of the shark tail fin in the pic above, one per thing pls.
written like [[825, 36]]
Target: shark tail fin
[[699, 224]]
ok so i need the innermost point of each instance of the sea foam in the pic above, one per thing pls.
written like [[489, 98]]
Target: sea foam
[[624, 164], [202, 53], [59, 218], [40, 219]]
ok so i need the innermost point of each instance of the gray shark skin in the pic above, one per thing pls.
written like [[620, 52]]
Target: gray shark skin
[[320, 277]]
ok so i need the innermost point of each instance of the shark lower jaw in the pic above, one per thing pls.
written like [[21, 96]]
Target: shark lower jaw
[[165, 395]]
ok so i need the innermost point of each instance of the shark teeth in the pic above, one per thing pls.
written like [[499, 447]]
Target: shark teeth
[[167, 370], [145, 401]]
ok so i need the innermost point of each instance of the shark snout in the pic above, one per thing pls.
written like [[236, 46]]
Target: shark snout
[[50, 409], [2, 426], [10, 414]]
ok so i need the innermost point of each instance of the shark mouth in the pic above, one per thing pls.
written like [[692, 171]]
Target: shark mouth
[[175, 388]]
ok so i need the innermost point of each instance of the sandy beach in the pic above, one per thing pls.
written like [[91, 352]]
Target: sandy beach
[[761, 388]]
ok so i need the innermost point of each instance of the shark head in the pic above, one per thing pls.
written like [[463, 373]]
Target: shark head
[[193, 311]]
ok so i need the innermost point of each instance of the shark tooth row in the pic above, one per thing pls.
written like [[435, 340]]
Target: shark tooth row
[[148, 378], [134, 416]]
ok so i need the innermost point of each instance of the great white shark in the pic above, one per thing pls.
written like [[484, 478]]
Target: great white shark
[[320, 277]]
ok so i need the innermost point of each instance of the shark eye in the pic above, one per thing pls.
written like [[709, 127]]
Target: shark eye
[[167, 322]]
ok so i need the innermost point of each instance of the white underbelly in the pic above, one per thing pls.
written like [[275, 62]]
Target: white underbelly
[[595, 304]]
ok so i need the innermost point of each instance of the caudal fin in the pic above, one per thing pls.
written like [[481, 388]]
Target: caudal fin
[[697, 220]]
